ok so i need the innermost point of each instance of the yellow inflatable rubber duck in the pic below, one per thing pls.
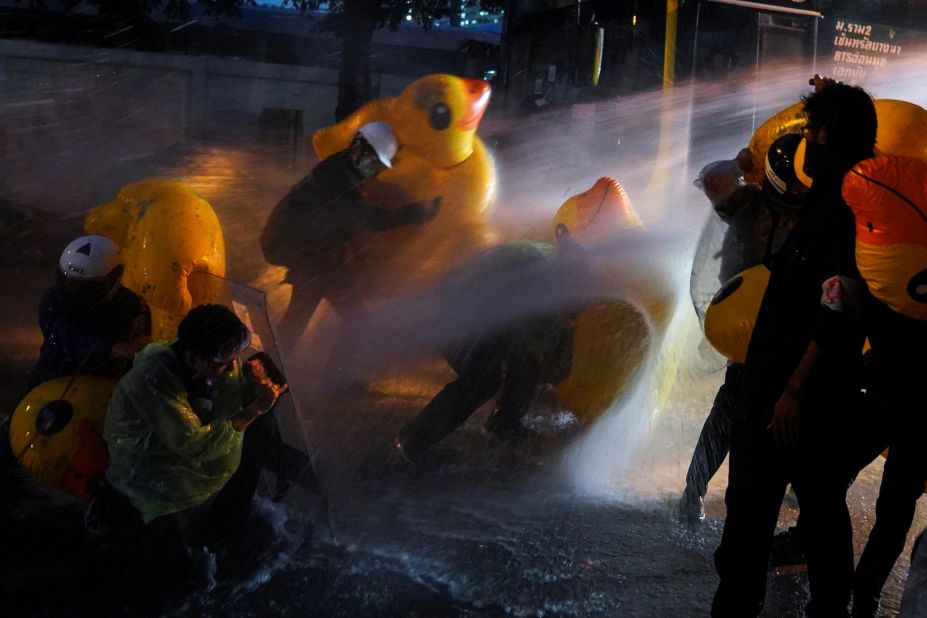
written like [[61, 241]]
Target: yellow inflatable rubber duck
[[435, 119], [56, 432], [168, 238], [610, 337], [902, 130]]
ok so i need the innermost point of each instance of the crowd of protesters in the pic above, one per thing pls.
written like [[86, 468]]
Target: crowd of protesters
[[190, 426]]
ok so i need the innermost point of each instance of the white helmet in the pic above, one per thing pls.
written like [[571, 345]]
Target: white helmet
[[89, 257], [380, 135]]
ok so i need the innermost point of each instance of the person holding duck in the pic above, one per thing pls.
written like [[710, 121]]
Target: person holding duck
[[325, 219]]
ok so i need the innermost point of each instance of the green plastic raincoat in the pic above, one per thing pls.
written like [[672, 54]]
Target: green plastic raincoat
[[164, 457]]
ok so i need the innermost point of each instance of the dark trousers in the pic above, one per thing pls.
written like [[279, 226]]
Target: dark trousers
[[903, 481], [759, 472], [222, 516], [263, 449], [714, 441], [309, 287], [485, 367]]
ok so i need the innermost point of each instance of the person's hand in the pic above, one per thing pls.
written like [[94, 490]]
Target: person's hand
[[784, 425], [819, 81], [266, 394]]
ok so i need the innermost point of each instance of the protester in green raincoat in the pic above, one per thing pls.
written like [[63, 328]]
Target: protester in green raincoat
[[175, 422]]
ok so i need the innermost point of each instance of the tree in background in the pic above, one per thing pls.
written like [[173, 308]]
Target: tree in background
[[355, 20]]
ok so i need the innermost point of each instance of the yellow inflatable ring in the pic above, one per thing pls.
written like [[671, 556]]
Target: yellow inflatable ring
[[56, 432]]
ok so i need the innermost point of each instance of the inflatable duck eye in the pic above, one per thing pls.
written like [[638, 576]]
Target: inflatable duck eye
[[917, 287], [54, 416], [727, 289], [562, 231], [440, 116]]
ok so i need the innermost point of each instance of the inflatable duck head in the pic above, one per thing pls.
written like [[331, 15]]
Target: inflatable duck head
[[55, 432], [593, 215], [169, 238], [435, 118]]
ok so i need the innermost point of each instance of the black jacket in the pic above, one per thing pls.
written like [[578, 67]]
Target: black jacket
[[821, 246], [80, 338], [313, 227]]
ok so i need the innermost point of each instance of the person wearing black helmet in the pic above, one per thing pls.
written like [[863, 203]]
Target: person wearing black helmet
[[801, 380], [914, 599], [785, 190], [758, 220]]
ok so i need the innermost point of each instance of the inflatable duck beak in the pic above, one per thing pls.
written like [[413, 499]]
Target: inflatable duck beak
[[607, 204], [620, 201], [478, 92]]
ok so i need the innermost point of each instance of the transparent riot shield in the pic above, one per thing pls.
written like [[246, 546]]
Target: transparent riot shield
[[250, 305], [705, 279]]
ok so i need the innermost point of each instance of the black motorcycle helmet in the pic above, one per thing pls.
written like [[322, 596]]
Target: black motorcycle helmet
[[781, 185]]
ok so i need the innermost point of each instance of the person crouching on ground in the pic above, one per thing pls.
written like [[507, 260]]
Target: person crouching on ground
[[175, 427]]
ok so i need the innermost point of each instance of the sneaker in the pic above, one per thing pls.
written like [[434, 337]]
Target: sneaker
[[691, 507]]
